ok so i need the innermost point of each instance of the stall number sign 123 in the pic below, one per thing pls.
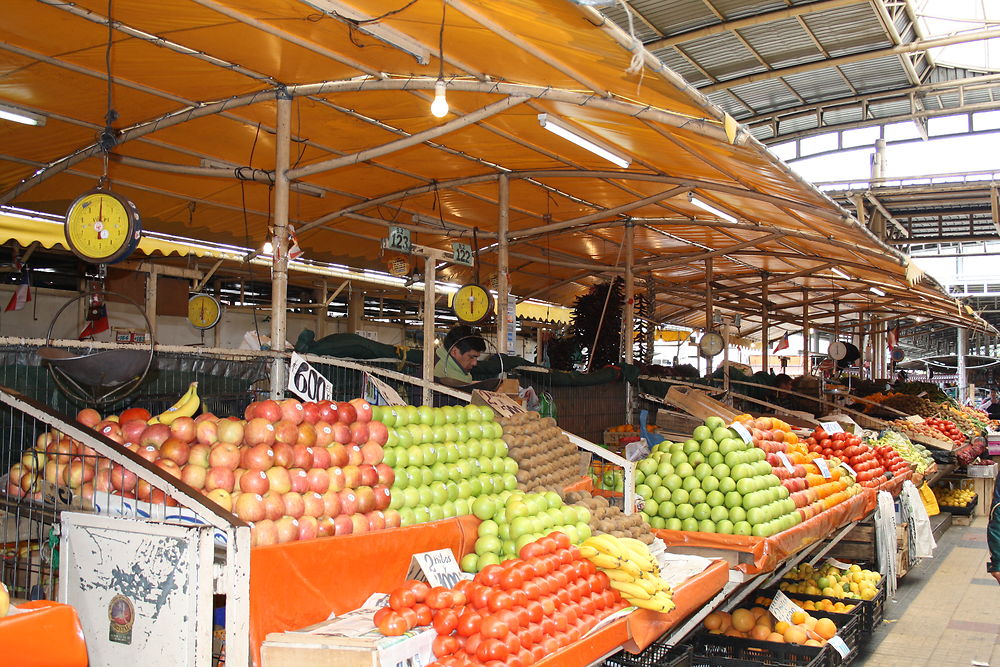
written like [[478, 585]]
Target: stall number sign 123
[[306, 382]]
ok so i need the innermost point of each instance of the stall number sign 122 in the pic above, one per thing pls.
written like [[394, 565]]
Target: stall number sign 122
[[308, 383]]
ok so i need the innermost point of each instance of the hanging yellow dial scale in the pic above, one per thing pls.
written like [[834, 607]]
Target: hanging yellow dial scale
[[472, 303], [204, 311], [102, 227]]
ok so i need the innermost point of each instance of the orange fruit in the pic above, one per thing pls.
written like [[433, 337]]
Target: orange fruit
[[780, 627], [795, 635], [812, 642], [799, 617], [713, 621], [743, 620], [758, 612], [825, 628], [760, 632], [776, 637]]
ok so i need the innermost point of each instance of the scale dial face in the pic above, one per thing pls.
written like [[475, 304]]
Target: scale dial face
[[711, 343], [472, 303], [204, 311], [102, 227], [837, 350]]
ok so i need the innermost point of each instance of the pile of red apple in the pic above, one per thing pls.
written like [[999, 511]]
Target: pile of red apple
[[850, 449], [293, 470], [513, 614]]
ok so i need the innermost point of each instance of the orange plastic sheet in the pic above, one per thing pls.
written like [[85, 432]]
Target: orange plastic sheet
[[48, 636], [895, 485], [642, 627], [767, 552], [585, 483], [300, 583]]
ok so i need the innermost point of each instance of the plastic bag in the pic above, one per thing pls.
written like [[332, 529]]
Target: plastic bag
[[930, 502], [651, 438], [922, 542]]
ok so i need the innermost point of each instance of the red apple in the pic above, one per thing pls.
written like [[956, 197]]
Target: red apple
[[302, 457], [369, 474], [225, 455], [88, 417], [170, 467], [279, 479], [286, 431], [248, 413], [55, 473], [321, 457], [310, 412], [155, 434], [291, 410], [360, 522], [343, 525], [299, 479], [363, 408], [274, 505], [341, 433], [60, 451], [249, 507], [176, 450], [325, 527], [366, 499], [132, 430], [348, 501], [392, 519], [255, 481], [346, 412], [382, 496], [144, 490], [313, 504], [222, 497], [352, 477], [230, 430], [110, 430], [324, 434], [258, 457], [372, 452], [199, 455], [319, 480], [149, 452], [294, 504], [205, 416], [359, 433], [337, 479], [268, 410], [386, 475], [102, 481], [194, 475], [206, 432], [288, 529], [307, 434], [283, 453], [308, 528], [331, 503], [259, 431], [376, 520], [87, 491], [338, 454], [81, 472], [264, 532], [220, 478], [183, 428], [327, 411], [354, 455], [378, 432]]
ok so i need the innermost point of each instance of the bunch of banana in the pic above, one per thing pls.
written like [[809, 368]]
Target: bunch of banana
[[185, 406], [631, 569]]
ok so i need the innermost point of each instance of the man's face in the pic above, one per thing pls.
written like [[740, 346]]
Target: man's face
[[467, 360]]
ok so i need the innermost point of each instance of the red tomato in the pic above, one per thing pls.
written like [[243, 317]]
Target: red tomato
[[458, 598], [419, 588], [522, 616], [561, 580], [548, 605], [500, 600], [549, 543], [439, 597], [524, 636], [380, 614], [525, 657], [512, 643], [538, 652], [520, 598], [562, 539], [491, 649], [532, 589], [468, 623], [402, 598], [535, 611], [548, 626], [493, 626], [563, 596], [445, 621], [392, 624], [472, 644], [512, 579], [409, 615], [424, 614], [444, 645], [531, 550], [489, 575], [479, 596]]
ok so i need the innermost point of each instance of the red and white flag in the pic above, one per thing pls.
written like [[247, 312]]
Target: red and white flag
[[782, 344], [22, 293]]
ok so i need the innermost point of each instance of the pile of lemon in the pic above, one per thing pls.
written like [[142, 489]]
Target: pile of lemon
[[828, 606], [830, 581], [954, 497]]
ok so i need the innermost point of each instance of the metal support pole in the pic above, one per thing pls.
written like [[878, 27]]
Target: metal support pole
[[765, 328], [709, 314], [321, 311], [429, 299], [805, 332], [628, 325], [150, 298], [963, 375], [279, 243], [503, 287]]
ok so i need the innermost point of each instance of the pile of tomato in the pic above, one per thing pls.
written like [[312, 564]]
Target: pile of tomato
[[891, 460], [850, 449], [947, 428], [512, 614]]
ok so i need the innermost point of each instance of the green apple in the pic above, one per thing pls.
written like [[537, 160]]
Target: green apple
[[653, 481], [742, 528], [689, 525], [673, 524], [673, 482], [680, 496], [678, 458], [715, 458], [469, 563], [709, 446], [722, 433], [696, 459], [691, 483], [647, 466], [411, 497], [715, 499], [421, 515], [484, 508], [661, 493], [706, 526], [664, 469], [650, 508], [727, 484], [733, 499], [462, 507], [702, 470], [414, 455], [406, 517], [718, 513], [701, 433], [737, 514], [696, 496], [702, 511], [583, 530], [501, 448], [666, 509], [657, 522], [489, 449], [684, 511], [435, 512], [684, 470], [426, 476], [725, 527], [714, 421], [710, 483]]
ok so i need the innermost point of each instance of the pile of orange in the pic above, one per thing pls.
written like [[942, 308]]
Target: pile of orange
[[757, 623]]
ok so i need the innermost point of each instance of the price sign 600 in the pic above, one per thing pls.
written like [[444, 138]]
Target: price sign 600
[[308, 383]]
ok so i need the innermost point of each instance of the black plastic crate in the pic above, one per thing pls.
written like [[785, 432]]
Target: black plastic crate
[[655, 655], [961, 511], [874, 612], [804, 597], [724, 651]]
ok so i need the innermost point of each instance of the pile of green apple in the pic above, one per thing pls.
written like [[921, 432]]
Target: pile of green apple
[[444, 459], [512, 519], [715, 482]]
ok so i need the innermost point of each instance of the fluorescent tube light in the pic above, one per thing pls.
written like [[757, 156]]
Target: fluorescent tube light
[[840, 273], [877, 292], [711, 209], [20, 116], [552, 124]]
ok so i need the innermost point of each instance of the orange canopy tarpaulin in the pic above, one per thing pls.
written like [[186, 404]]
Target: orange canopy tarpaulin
[[767, 552]]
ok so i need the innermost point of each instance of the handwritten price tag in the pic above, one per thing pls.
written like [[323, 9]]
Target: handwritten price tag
[[831, 427], [785, 462], [838, 564], [388, 395], [440, 567], [782, 608], [503, 405], [839, 645], [306, 382], [849, 469], [824, 469], [742, 430]]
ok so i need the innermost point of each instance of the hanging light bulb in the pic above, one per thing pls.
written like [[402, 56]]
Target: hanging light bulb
[[439, 107]]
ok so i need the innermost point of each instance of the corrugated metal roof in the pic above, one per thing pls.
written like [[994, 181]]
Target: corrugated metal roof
[[875, 75], [848, 29], [782, 43], [819, 85], [772, 94], [673, 17], [723, 56]]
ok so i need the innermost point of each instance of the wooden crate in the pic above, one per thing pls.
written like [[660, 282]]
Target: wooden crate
[[903, 563]]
